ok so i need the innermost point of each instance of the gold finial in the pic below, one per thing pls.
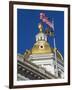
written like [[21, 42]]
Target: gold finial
[[40, 27]]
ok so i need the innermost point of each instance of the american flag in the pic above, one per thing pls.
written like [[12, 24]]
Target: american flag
[[46, 20]]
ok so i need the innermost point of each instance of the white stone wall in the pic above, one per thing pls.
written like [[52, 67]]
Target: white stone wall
[[47, 61], [48, 64]]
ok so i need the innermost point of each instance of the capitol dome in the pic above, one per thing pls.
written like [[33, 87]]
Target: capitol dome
[[42, 46]]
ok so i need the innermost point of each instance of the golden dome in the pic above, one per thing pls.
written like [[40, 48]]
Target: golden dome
[[41, 47]]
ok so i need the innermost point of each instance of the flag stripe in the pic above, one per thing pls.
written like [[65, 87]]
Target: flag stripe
[[45, 19]]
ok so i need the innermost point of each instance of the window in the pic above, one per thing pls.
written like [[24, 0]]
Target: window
[[59, 74]]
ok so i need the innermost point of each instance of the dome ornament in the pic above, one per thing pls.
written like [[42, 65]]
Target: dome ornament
[[40, 27]]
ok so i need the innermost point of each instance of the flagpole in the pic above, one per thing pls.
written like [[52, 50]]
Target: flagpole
[[55, 50]]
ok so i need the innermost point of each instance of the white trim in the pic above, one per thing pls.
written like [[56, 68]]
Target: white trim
[[38, 7]]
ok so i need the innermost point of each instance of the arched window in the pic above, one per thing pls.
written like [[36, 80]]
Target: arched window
[[59, 74], [40, 38]]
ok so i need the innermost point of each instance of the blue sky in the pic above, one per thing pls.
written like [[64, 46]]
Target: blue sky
[[27, 28]]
